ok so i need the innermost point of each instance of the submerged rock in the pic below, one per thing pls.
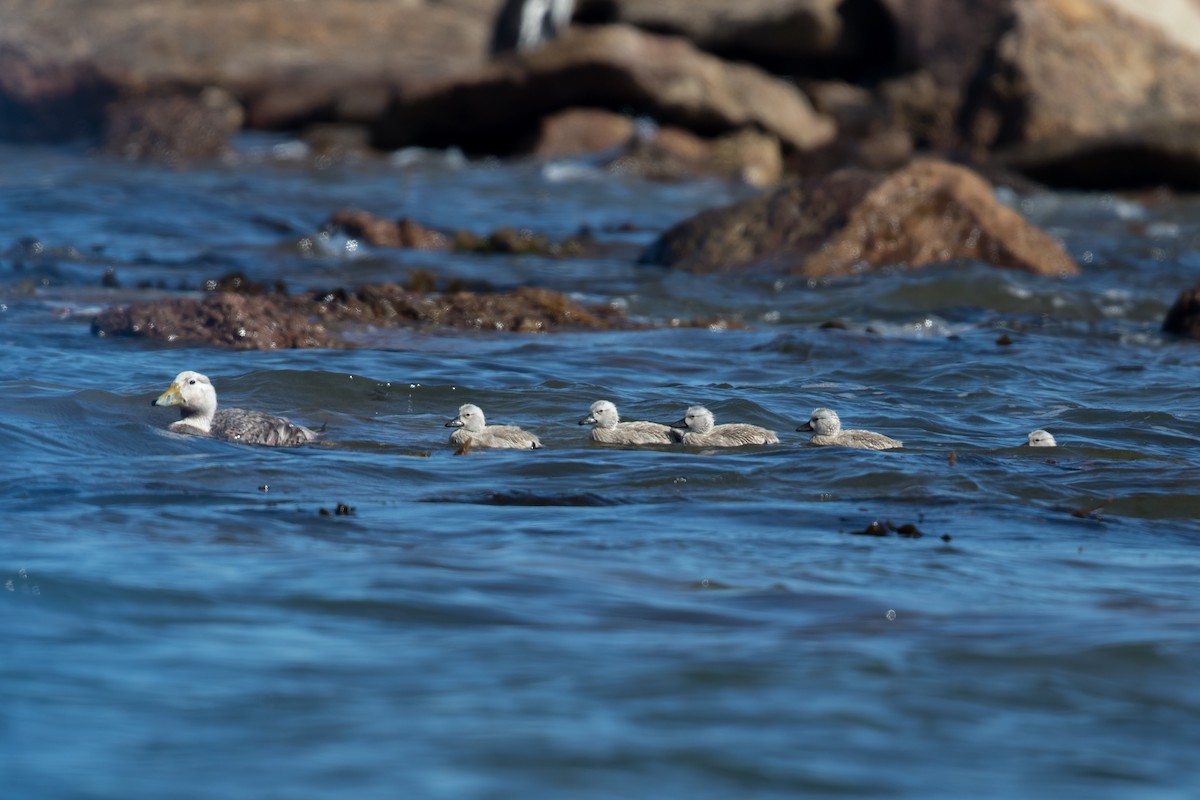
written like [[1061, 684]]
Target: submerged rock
[[383, 232], [244, 322], [1183, 318], [46, 95], [525, 310], [276, 321], [405, 232], [850, 221], [173, 128], [660, 152]]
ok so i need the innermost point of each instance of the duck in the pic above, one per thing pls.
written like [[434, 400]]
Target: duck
[[196, 398], [1041, 438], [698, 428], [827, 431], [473, 431], [608, 428]]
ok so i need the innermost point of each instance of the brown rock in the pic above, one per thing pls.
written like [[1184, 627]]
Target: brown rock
[[785, 36], [243, 322], [496, 110], [928, 212], [174, 128], [1068, 68], [258, 322], [405, 232], [381, 232], [1183, 318], [575, 131], [1150, 155], [948, 39], [524, 310], [661, 153], [289, 62], [748, 155], [49, 97]]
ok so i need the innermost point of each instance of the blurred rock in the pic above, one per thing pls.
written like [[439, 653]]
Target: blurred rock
[[382, 232], [576, 131], [672, 154], [1085, 95], [852, 221], [793, 37], [334, 141], [1183, 318], [1144, 156], [870, 136], [288, 62], [497, 109], [1069, 68], [48, 97], [172, 129], [660, 153], [405, 232]]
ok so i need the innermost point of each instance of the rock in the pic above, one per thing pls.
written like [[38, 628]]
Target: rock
[[275, 321], [660, 153], [1086, 93], [49, 97], [749, 156], [1149, 155], [576, 131], [405, 232], [948, 39], [289, 62], [337, 141], [497, 109], [240, 321], [794, 37], [173, 129], [523, 310], [1183, 318], [926, 213], [381, 232], [869, 134], [671, 154]]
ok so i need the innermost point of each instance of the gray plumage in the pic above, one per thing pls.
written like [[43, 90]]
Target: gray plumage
[[699, 429], [608, 428], [1041, 438], [827, 431], [196, 398], [473, 431]]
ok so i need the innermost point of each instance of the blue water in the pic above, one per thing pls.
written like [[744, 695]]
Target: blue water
[[188, 618]]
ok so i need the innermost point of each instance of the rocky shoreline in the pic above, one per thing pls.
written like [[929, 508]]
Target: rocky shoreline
[[1091, 93], [888, 112]]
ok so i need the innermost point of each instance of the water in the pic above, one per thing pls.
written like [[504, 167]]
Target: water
[[192, 619]]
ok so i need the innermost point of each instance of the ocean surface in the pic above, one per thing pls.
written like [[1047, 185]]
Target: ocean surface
[[377, 617]]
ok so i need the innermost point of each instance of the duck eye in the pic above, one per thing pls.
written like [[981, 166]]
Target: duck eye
[[192, 381]]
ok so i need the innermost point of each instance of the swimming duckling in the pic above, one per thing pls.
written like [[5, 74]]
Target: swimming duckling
[[699, 429], [199, 416], [609, 429], [827, 432], [1041, 438], [473, 431]]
